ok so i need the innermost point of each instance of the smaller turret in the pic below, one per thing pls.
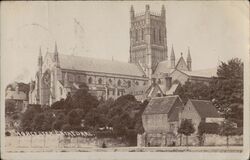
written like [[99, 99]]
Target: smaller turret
[[40, 59], [132, 12], [189, 60], [163, 11], [172, 58], [56, 57]]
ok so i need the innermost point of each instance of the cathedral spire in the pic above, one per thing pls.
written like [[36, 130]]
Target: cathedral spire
[[172, 53], [56, 57], [40, 52], [163, 11], [132, 12], [189, 55], [172, 57], [40, 58], [189, 60], [56, 48]]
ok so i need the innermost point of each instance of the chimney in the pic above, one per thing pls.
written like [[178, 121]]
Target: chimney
[[168, 82]]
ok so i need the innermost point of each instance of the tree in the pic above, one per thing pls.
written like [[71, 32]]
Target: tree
[[227, 129], [206, 128], [227, 90], [28, 117], [73, 120], [186, 128], [58, 123], [82, 99], [10, 107], [193, 90]]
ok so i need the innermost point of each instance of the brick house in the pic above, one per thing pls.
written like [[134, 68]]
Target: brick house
[[161, 120], [200, 111]]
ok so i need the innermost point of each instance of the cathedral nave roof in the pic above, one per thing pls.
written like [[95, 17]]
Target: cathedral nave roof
[[99, 65]]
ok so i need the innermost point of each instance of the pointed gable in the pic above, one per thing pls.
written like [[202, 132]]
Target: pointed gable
[[181, 65]]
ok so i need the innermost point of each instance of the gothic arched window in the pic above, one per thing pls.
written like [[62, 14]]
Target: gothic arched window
[[90, 80], [110, 81], [119, 82], [99, 81], [160, 35], [154, 36], [136, 35], [142, 34], [137, 83], [129, 83]]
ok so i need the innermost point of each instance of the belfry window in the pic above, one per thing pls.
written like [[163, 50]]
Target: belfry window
[[119, 82], [154, 36], [99, 81], [137, 83], [90, 80], [129, 83], [110, 81]]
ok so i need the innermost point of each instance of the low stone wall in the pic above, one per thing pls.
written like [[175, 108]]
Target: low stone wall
[[60, 141], [209, 140], [213, 139]]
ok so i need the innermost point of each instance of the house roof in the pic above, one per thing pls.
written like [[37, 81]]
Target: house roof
[[202, 73], [99, 65], [160, 105], [205, 108]]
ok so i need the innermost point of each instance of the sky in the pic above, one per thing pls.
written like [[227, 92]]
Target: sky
[[214, 31]]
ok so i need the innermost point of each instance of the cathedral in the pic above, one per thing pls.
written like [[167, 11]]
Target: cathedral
[[150, 70]]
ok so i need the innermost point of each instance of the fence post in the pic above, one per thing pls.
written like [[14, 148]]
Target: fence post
[[44, 141], [77, 141], [31, 141], [19, 141], [58, 141]]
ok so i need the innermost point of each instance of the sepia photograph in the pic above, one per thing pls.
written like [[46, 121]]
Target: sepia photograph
[[103, 79]]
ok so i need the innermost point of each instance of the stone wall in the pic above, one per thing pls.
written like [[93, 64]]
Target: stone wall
[[60, 141], [171, 140], [212, 140]]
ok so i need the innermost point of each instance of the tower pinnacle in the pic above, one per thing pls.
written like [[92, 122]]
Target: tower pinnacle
[[172, 57], [189, 60]]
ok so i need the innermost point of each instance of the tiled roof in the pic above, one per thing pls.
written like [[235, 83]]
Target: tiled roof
[[205, 108], [99, 65], [160, 105], [163, 67], [202, 73]]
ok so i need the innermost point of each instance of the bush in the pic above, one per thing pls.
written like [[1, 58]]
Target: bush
[[66, 127], [7, 133], [208, 128]]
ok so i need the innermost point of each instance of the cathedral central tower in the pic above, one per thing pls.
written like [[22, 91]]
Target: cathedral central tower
[[148, 38]]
